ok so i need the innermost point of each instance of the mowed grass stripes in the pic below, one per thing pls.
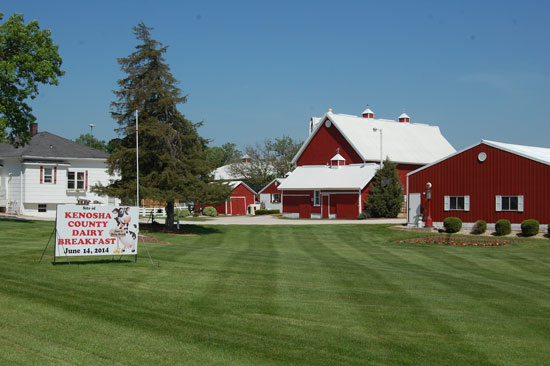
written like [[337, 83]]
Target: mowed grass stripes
[[293, 295]]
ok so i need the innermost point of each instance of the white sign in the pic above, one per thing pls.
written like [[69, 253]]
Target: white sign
[[96, 230]]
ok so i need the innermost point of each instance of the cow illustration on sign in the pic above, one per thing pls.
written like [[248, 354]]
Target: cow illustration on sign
[[123, 219]]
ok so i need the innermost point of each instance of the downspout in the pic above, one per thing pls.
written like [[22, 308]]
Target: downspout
[[407, 208], [21, 180]]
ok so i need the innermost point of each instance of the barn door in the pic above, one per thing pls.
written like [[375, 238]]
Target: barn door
[[326, 206], [414, 208]]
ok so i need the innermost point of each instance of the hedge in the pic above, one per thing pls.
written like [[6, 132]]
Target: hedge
[[182, 213], [452, 224], [479, 227], [210, 211], [530, 227], [264, 211], [503, 227]]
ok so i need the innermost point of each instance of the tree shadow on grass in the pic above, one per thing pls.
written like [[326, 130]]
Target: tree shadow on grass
[[19, 220], [183, 230]]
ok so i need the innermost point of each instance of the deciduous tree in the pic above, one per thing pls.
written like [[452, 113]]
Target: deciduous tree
[[89, 140], [28, 57]]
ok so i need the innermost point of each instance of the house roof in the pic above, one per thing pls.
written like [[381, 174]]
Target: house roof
[[411, 143], [353, 176], [280, 180], [48, 145], [224, 173], [540, 154], [234, 184]]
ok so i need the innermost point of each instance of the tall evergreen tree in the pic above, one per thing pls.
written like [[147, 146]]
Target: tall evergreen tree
[[386, 193], [172, 162]]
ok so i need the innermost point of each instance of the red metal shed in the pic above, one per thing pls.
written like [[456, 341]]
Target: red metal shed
[[241, 197], [488, 181]]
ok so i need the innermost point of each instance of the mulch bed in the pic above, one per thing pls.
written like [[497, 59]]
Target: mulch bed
[[458, 240]]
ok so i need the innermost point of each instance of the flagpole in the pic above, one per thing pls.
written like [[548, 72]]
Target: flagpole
[[137, 158]]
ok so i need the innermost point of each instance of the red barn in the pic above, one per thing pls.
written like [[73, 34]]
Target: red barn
[[241, 197], [488, 181], [358, 141]]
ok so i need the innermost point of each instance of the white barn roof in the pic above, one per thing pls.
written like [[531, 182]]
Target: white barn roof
[[540, 154], [402, 142], [354, 176]]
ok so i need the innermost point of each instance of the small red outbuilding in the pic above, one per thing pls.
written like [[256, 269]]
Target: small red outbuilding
[[488, 181], [241, 197]]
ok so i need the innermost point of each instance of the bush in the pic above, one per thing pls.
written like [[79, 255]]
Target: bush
[[503, 227], [479, 227], [210, 211], [452, 224], [362, 216], [530, 227], [548, 229], [182, 213], [264, 211], [196, 214]]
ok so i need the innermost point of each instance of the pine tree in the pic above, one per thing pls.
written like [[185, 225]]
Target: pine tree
[[385, 197], [172, 162]]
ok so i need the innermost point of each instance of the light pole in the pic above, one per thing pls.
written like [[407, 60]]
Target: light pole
[[429, 222], [381, 158], [91, 129]]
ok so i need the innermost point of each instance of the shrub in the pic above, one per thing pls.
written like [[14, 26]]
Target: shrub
[[182, 213], [530, 227], [452, 224], [264, 211], [503, 227], [479, 227], [210, 211], [548, 229], [196, 214], [362, 216]]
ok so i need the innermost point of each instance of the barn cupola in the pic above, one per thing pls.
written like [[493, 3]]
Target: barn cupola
[[337, 160], [404, 118], [367, 113], [245, 158]]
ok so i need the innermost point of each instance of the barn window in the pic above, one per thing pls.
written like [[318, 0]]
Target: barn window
[[509, 203], [316, 198], [457, 203], [42, 207], [276, 198]]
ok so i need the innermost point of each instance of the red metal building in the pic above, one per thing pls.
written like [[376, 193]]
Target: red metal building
[[241, 197], [357, 141], [488, 181]]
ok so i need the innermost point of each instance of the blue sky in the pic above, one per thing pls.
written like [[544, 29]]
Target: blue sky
[[257, 69]]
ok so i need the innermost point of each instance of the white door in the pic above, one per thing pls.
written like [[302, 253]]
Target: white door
[[414, 208]]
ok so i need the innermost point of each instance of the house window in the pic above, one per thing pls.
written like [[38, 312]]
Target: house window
[[42, 207], [316, 198], [457, 203], [509, 203], [48, 175], [276, 198], [75, 180]]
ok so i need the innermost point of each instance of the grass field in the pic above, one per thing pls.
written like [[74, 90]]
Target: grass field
[[293, 295]]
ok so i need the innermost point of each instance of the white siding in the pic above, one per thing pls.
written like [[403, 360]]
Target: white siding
[[22, 196], [266, 199]]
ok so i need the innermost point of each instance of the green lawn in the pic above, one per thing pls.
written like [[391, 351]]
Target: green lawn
[[292, 295]]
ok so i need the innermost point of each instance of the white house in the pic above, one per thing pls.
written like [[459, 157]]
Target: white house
[[270, 196], [48, 171]]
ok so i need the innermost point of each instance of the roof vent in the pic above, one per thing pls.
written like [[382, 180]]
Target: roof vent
[[404, 118], [337, 159], [245, 158], [367, 113]]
